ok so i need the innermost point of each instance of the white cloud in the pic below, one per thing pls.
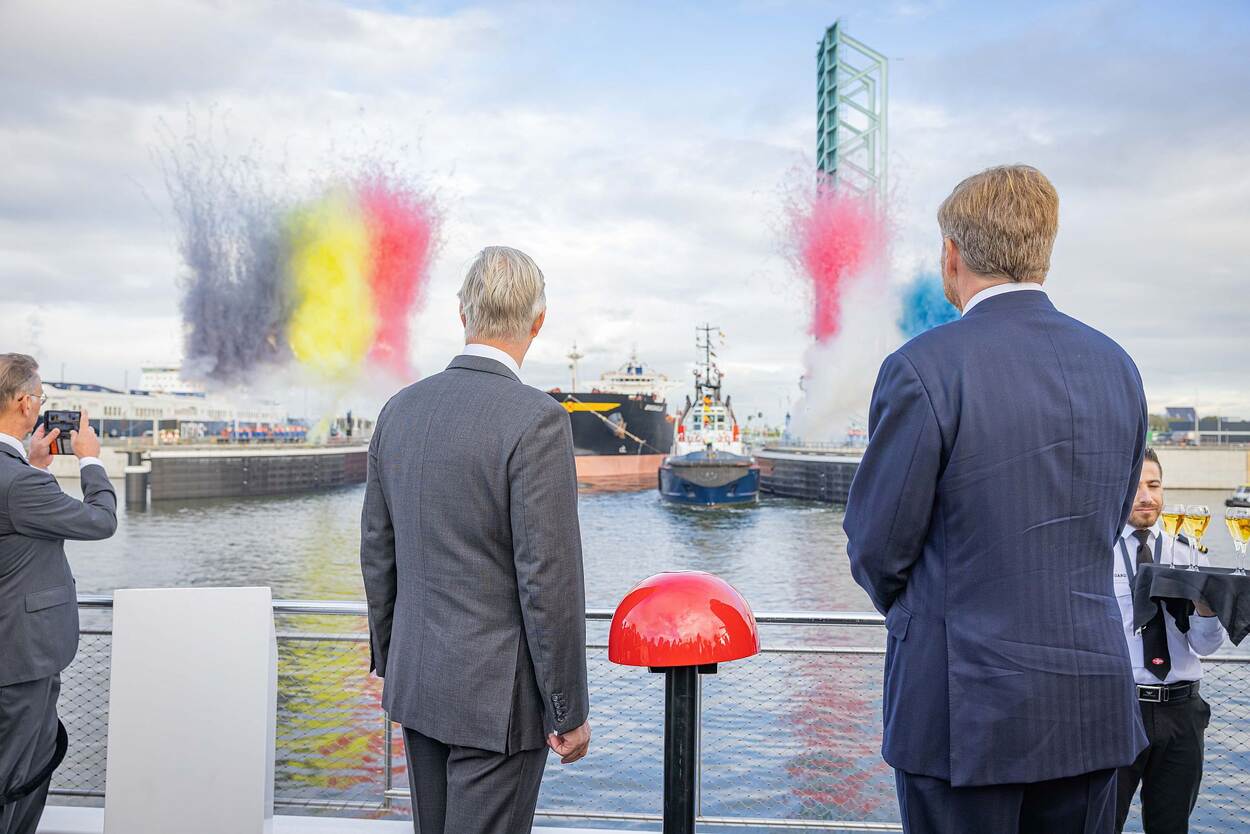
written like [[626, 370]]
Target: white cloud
[[646, 216]]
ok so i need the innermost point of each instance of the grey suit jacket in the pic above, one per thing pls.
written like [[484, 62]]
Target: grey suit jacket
[[38, 603], [471, 555]]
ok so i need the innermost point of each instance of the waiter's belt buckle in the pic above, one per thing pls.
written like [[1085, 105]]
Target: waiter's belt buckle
[[1162, 694]]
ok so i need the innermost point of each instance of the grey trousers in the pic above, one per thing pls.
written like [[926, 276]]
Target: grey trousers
[[461, 790], [27, 742]]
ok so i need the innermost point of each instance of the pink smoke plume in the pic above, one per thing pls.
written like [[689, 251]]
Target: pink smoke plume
[[834, 235], [403, 226]]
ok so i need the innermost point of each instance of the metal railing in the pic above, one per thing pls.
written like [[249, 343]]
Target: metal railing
[[790, 739]]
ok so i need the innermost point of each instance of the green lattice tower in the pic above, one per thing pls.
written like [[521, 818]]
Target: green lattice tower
[[851, 90]]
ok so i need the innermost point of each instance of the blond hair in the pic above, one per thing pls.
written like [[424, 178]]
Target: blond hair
[[1004, 221], [503, 293]]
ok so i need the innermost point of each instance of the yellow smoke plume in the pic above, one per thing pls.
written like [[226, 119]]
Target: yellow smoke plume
[[332, 326]]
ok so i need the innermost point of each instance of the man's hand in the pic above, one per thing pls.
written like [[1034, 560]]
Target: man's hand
[[1203, 611], [84, 441], [41, 447], [572, 745]]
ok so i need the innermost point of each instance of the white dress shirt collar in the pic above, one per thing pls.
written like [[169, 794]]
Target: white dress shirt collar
[[1000, 289], [14, 442], [488, 352], [1129, 530]]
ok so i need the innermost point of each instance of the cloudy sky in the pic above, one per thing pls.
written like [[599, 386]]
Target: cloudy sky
[[639, 152]]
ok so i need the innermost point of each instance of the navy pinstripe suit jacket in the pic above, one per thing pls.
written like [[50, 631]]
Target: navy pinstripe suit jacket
[[1003, 457]]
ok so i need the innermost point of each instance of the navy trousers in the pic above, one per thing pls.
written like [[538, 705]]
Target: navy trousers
[[1082, 804]]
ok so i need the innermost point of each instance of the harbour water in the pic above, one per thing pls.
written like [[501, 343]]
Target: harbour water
[[785, 735], [783, 555]]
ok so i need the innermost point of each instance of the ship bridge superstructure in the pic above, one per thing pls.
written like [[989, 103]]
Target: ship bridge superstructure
[[707, 421]]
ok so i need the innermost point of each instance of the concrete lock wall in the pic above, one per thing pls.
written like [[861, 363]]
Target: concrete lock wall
[[219, 474], [114, 460], [813, 476], [827, 476], [1204, 467]]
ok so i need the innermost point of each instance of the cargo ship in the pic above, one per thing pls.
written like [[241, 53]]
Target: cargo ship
[[621, 426]]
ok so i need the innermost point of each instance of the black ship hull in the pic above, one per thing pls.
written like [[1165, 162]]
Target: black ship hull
[[616, 435]]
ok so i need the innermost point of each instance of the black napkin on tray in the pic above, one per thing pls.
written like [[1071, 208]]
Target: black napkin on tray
[[1177, 589]]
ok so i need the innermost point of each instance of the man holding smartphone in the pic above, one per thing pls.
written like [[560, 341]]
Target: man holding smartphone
[[38, 601]]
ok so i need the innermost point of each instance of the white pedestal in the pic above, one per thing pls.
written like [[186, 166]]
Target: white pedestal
[[192, 705]]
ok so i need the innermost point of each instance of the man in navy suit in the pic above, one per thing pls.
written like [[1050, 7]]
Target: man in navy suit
[[1003, 459]]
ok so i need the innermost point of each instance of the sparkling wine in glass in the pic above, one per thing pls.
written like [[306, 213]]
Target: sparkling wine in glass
[[1197, 517], [1173, 516], [1238, 521]]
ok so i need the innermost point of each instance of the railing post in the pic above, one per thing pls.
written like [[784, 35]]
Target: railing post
[[388, 776], [698, 758]]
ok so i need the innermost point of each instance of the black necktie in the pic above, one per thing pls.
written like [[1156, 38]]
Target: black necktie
[[1144, 556], [1154, 636]]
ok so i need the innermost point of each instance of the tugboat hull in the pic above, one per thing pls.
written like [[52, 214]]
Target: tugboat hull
[[704, 481]]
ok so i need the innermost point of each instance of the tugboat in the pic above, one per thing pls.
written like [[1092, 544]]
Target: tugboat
[[709, 465]]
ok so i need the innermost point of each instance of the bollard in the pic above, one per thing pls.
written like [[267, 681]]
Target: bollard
[[138, 473], [683, 624]]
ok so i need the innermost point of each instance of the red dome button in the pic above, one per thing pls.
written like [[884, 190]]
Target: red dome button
[[682, 618]]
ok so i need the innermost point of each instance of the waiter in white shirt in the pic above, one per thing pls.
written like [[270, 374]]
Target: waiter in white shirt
[[1167, 668]]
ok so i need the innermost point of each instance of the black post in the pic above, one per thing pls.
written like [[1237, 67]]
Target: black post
[[136, 481], [681, 727]]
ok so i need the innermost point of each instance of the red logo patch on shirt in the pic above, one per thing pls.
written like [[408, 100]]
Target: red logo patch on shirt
[[1158, 661]]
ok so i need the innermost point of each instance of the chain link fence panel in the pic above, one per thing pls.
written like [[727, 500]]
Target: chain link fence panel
[[791, 736]]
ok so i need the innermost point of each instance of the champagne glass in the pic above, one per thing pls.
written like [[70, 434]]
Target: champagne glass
[[1172, 517], [1238, 521], [1197, 517]]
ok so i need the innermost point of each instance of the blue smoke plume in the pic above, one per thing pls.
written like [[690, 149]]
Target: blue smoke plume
[[924, 306]]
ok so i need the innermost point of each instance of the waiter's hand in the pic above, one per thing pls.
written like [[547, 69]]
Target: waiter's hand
[[41, 447], [572, 745], [84, 441], [1202, 610]]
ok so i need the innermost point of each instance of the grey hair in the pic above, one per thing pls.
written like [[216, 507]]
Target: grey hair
[[18, 375], [503, 293]]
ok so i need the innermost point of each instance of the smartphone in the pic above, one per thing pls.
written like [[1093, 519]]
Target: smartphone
[[66, 421]]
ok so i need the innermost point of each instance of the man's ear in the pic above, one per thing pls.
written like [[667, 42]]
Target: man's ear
[[950, 258], [538, 324], [463, 321]]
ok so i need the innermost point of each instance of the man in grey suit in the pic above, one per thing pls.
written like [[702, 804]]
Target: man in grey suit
[[471, 555], [38, 604]]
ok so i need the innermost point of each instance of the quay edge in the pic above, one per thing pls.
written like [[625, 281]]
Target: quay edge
[[808, 473]]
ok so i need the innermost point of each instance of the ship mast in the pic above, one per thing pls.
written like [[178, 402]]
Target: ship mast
[[574, 355], [707, 375]]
